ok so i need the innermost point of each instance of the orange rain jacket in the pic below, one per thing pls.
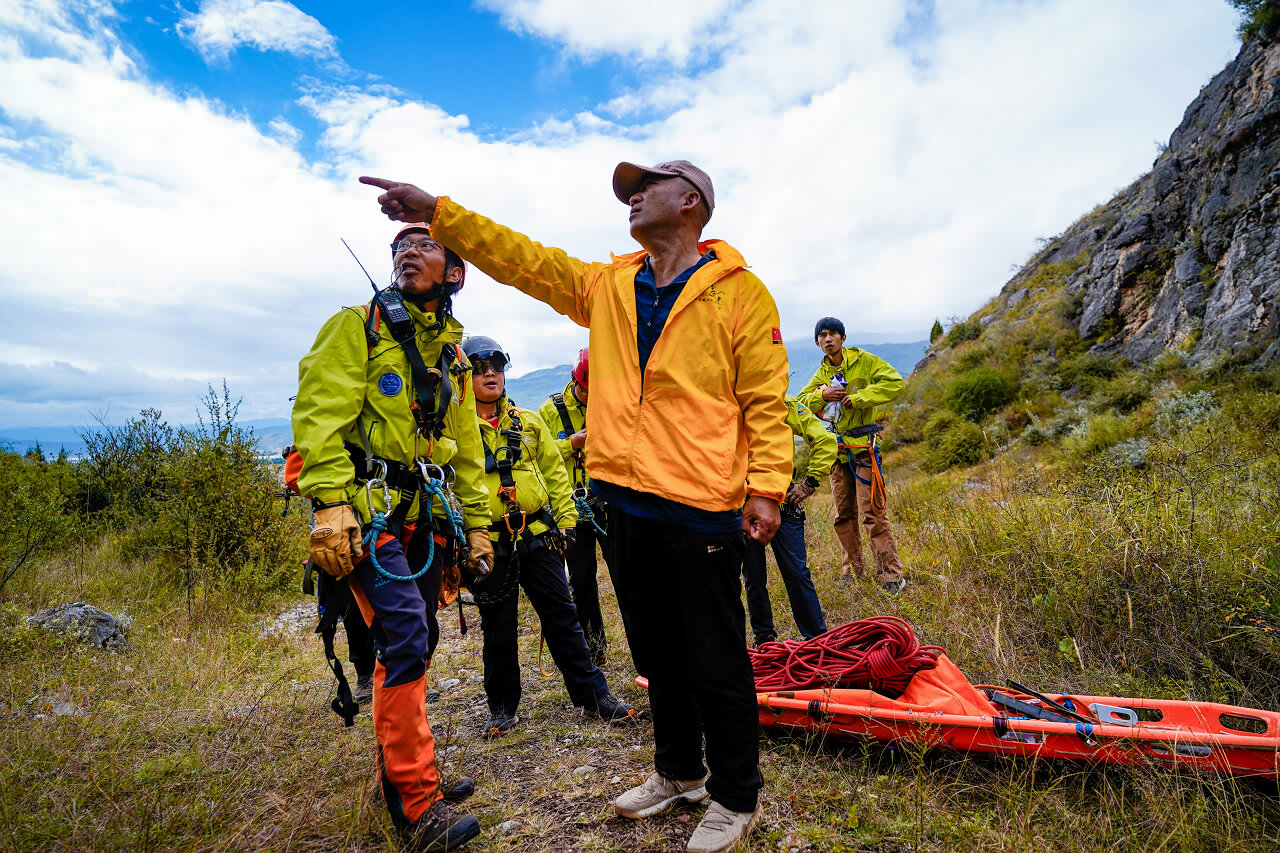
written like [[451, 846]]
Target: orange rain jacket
[[705, 425]]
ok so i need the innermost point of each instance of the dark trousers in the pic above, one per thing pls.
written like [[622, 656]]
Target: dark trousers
[[542, 578], [681, 600], [789, 549], [583, 586], [359, 641]]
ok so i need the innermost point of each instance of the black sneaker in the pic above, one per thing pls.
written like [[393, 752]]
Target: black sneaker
[[440, 828], [612, 711], [500, 723]]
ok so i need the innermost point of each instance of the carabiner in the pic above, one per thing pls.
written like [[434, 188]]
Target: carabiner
[[381, 481]]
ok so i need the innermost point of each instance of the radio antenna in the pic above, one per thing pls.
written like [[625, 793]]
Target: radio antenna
[[362, 269]]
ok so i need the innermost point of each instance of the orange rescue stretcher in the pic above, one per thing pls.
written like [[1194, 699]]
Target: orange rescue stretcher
[[940, 708]]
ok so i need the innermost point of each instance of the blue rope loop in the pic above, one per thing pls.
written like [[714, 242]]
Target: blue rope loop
[[433, 488], [584, 509]]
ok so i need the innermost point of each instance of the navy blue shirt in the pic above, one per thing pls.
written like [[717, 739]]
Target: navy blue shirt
[[653, 307], [654, 304]]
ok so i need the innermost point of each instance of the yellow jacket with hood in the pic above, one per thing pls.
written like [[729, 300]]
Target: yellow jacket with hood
[[341, 380], [705, 423]]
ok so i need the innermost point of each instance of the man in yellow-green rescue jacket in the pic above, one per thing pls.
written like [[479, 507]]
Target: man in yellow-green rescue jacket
[[532, 519], [382, 406], [847, 388]]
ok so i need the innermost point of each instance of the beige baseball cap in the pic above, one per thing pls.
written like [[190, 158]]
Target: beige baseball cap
[[627, 178]]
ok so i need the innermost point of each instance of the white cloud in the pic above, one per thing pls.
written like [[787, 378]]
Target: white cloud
[[221, 26], [675, 31], [883, 182]]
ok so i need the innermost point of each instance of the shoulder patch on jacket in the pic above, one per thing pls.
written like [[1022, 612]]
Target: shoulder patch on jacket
[[390, 384], [777, 336]]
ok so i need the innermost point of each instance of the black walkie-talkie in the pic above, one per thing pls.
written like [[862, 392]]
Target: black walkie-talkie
[[392, 305]]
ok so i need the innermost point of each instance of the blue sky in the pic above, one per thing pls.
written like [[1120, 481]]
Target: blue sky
[[178, 175]]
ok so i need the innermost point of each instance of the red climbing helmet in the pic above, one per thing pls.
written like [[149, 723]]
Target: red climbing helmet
[[580, 369]]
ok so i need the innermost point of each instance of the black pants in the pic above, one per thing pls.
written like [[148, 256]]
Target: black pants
[[680, 597], [542, 578], [583, 586], [359, 642]]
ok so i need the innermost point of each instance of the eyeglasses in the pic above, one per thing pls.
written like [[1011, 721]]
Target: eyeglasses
[[482, 361], [422, 246]]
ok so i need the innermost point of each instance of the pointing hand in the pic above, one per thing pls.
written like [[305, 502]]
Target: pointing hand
[[403, 202]]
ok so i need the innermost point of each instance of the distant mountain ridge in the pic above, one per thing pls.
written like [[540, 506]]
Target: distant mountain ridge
[[528, 391]]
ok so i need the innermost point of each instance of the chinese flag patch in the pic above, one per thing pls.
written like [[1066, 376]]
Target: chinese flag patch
[[777, 335]]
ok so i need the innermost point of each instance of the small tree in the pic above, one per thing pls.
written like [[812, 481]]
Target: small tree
[[935, 332], [1258, 17]]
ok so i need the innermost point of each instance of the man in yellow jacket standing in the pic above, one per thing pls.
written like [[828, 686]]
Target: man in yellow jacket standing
[[855, 382], [687, 442]]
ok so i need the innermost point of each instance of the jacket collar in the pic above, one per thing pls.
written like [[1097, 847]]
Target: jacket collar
[[726, 261]]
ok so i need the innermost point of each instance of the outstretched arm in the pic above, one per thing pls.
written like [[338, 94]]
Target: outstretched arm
[[508, 257]]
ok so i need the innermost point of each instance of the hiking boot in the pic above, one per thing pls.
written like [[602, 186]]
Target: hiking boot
[[440, 828], [363, 694], [721, 829], [500, 722], [894, 587], [613, 711], [433, 695], [657, 794], [845, 579], [459, 791], [598, 655], [768, 637]]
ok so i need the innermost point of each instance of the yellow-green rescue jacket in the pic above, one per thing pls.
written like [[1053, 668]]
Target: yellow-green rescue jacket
[[822, 444], [539, 473], [577, 413], [872, 382], [341, 380], [704, 423]]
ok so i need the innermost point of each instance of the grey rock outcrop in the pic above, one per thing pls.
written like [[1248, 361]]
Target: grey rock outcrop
[[1188, 256], [86, 623]]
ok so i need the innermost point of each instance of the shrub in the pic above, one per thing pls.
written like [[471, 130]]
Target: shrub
[[1089, 370], [962, 444], [36, 500], [1181, 411], [941, 421], [969, 330], [198, 498], [1096, 434], [935, 332], [1124, 393], [978, 391]]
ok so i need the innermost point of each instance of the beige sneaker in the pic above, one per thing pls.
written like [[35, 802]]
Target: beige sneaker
[[657, 794], [721, 829]]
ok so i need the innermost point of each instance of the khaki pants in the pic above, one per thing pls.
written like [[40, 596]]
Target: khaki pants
[[852, 501]]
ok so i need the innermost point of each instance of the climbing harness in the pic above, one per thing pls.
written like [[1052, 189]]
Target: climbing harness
[[583, 499], [870, 432]]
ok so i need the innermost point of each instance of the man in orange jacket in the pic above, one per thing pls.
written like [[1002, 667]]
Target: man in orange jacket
[[687, 443]]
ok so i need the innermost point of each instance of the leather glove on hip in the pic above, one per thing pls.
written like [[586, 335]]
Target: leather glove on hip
[[799, 492], [335, 540], [480, 556]]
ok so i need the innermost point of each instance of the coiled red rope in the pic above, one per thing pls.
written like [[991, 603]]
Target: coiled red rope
[[880, 653]]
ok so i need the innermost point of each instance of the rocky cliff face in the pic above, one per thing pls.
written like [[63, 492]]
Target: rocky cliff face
[[1188, 256]]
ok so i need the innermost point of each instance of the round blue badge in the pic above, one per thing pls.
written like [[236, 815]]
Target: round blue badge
[[390, 384]]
